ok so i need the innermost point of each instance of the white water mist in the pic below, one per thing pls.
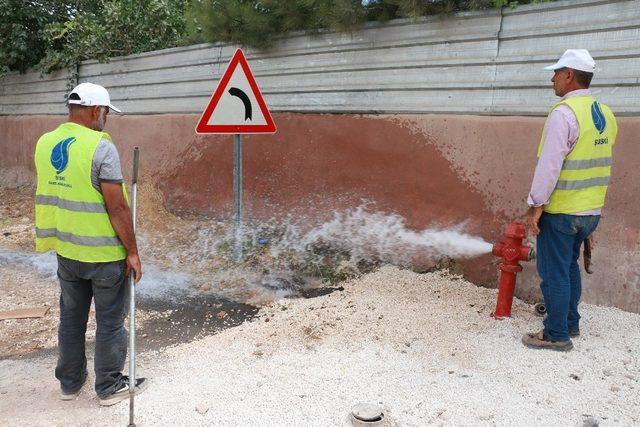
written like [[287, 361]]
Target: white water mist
[[369, 234], [281, 256]]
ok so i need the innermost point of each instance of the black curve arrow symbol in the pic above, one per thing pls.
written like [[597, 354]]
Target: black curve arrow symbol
[[234, 91]]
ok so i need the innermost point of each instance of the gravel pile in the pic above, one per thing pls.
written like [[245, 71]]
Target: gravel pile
[[422, 347]]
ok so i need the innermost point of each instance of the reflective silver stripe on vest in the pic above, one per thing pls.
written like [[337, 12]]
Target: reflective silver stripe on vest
[[583, 183], [43, 233], [70, 205], [586, 164]]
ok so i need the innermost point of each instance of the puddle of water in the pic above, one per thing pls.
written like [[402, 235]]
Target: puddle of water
[[189, 318]]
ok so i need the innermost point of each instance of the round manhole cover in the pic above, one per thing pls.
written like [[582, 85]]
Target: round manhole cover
[[367, 414]]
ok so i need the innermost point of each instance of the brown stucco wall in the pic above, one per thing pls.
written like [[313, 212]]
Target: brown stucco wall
[[432, 169]]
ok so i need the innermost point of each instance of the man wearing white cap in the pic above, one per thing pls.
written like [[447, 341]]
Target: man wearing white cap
[[82, 213], [567, 193]]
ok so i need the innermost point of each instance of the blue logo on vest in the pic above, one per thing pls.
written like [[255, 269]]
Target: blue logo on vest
[[598, 118], [60, 154]]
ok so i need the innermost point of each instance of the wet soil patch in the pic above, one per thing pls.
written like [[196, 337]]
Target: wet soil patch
[[188, 317], [165, 318], [182, 318], [317, 292]]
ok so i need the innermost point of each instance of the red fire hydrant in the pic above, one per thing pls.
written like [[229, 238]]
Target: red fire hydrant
[[512, 251]]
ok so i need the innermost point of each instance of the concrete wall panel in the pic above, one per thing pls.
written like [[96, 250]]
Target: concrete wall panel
[[396, 67]]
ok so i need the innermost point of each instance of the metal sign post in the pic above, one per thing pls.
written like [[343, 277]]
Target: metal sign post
[[236, 107], [237, 197]]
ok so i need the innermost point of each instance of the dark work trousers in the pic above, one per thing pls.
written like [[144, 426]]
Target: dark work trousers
[[558, 250], [106, 283]]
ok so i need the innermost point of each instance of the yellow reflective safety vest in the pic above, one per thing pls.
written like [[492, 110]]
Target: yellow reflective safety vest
[[586, 171], [71, 217]]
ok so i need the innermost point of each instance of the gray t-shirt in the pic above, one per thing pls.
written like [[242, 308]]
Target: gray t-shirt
[[106, 165]]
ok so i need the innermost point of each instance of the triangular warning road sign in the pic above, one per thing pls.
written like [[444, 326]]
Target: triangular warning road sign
[[237, 105]]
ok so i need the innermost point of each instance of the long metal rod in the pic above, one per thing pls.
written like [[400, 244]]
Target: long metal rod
[[237, 197], [132, 293]]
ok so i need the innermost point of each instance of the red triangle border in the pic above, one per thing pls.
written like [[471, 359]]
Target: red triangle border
[[204, 128]]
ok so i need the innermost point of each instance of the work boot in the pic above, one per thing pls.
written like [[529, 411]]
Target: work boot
[[122, 391], [538, 340]]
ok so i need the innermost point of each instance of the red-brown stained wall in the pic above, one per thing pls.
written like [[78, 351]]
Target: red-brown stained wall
[[432, 169]]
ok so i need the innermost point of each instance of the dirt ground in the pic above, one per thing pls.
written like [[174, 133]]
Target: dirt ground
[[23, 289], [189, 288], [33, 283], [422, 347]]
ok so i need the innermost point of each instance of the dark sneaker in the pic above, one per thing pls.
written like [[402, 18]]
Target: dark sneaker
[[64, 395], [122, 391], [574, 332], [538, 340]]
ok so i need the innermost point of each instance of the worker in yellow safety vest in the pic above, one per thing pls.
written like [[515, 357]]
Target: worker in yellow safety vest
[[567, 194], [82, 213]]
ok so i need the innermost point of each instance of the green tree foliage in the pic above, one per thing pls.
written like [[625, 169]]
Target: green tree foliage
[[255, 23], [113, 28], [54, 34], [22, 25], [417, 8]]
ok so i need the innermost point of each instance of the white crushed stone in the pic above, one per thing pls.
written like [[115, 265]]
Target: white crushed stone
[[422, 347]]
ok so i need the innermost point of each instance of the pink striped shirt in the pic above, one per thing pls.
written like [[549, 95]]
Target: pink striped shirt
[[561, 134]]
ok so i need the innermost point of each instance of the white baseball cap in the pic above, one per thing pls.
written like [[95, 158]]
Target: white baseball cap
[[90, 95], [577, 59]]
